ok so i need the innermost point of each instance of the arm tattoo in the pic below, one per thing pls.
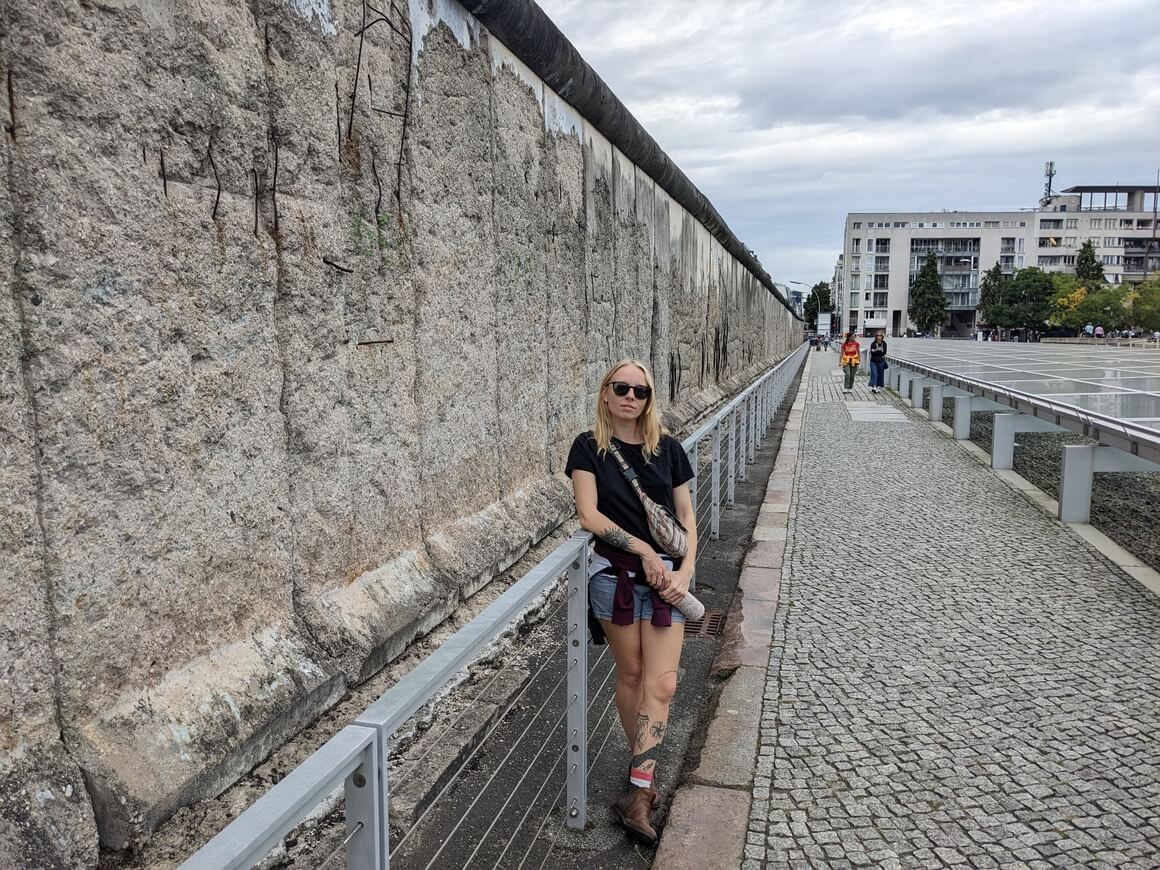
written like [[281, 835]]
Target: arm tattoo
[[658, 731], [617, 537], [641, 729]]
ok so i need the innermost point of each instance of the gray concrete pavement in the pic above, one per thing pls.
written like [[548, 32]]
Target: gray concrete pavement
[[956, 679]]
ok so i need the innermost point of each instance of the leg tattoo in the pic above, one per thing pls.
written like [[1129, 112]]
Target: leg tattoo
[[657, 731], [641, 731]]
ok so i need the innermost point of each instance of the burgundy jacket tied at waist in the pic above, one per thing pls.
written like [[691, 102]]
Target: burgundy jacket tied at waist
[[622, 600]]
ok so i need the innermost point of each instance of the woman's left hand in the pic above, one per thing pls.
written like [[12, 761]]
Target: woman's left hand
[[678, 586]]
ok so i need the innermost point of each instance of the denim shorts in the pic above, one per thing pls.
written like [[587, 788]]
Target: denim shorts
[[602, 588]]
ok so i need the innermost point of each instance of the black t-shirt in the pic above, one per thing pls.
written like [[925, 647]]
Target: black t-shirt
[[878, 351], [615, 498]]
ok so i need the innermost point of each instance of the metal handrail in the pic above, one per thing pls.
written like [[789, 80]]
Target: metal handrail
[[1122, 434], [357, 757]]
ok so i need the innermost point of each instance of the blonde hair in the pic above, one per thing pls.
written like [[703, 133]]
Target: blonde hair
[[648, 424]]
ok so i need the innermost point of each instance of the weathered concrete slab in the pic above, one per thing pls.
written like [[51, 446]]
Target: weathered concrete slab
[[706, 829], [764, 554], [747, 634], [729, 755], [769, 533]]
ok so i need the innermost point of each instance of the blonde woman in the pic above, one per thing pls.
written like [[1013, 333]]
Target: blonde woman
[[633, 585]]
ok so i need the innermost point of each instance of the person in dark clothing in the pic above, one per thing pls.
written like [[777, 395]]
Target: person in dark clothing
[[878, 363], [633, 585]]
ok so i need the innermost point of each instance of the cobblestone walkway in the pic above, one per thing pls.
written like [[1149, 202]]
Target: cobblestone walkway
[[956, 680]]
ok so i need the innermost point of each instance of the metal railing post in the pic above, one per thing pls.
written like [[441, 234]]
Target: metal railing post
[[732, 457], [577, 774], [694, 461], [750, 431], [715, 501], [367, 832]]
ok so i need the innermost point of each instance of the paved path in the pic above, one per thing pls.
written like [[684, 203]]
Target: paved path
[[956, 679]]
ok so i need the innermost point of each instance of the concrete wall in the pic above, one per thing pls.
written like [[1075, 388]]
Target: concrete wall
[[255, 441]]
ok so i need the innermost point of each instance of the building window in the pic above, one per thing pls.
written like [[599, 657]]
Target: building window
[[901, 224], [867, 297], [857, 225], [1069, 241], [990, 225], [1020, 243], [1110, 259], [1072, 223], [1019, 260], [1022, 223], [1069, 260], [1051, 225], [855, 280], [856, 246], [1113, 242], [880, 300], [1097, 223], [881, 282], [1007, 245], [881, 264]]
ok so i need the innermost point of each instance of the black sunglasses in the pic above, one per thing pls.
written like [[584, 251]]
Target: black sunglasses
[[621, 389]]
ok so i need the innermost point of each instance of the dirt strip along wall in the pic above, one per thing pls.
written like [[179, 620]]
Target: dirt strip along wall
[[290, 361]]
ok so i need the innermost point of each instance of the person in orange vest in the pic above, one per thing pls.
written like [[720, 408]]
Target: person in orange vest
[[851, 356]]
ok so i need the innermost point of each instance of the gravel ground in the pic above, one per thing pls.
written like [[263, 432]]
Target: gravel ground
[[1125, 507]]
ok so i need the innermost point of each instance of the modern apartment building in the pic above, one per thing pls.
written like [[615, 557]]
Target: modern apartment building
[[883, 252]]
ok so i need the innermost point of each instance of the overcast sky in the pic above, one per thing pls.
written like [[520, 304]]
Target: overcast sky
[[790, 113]]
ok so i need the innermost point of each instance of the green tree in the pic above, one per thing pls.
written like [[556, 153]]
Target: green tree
[[991, 291], [1088, 269], [1107, 306], [928, 302], [1031, 293], [820, 292], [1067, 301], [1146, 304]]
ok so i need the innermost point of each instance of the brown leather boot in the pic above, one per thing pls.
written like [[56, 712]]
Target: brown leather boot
[[632, 812]]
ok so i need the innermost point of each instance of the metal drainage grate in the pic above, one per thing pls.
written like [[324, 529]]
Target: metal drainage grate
[[709, 625]]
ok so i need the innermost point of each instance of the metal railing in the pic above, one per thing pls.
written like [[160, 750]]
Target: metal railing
[[1127, 436], [356, 758]]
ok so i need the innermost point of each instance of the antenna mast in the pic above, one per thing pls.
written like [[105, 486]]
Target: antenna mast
[[1049, 174]]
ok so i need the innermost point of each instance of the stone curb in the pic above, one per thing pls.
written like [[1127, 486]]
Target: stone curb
[[709, 818]]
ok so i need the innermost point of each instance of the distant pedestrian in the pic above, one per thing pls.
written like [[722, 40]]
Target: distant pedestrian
[[1099, 332], [1089, 330], [877, 363], [634, 585], [851, 356]]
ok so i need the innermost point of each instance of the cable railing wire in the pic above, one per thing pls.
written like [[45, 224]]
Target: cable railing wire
[[399, 781], [495, 773], [559, 757], [455, 776], [592, 766]]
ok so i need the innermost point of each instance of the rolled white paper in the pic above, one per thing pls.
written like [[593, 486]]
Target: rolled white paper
[[691, 606]]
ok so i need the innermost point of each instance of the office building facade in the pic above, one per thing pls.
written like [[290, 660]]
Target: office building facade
[[882, 253]]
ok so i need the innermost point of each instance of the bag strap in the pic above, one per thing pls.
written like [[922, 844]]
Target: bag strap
[[629, 474]]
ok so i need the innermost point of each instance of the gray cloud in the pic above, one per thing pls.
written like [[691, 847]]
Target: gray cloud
[[790, 113]]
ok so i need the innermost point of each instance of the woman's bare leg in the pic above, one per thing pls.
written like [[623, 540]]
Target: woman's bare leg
[[626, 651], [661, 656]]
